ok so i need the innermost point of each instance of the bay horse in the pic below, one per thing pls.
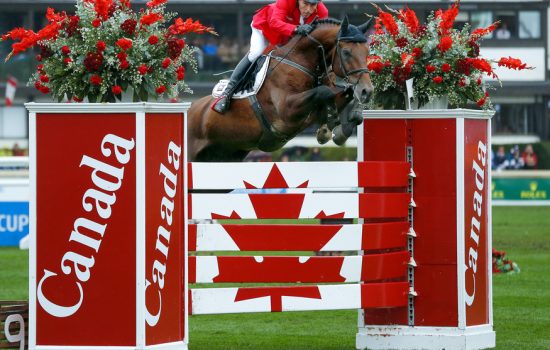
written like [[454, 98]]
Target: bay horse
[[297, 92]]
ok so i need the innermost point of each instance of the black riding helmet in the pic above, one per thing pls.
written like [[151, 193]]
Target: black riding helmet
[[312, 1]]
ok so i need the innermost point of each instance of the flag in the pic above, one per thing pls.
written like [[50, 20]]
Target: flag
[[11, 86]]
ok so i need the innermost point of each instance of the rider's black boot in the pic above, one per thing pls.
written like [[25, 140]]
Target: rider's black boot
[[222, 104]]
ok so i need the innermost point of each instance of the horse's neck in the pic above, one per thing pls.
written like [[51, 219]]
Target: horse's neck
[[306, 52]]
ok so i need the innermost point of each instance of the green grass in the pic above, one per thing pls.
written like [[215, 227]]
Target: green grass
[[521, 301]]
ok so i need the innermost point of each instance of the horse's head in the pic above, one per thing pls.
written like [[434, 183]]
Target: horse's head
[[350, 59]]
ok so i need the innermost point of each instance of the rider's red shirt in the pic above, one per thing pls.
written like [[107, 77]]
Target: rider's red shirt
[[278, 20]]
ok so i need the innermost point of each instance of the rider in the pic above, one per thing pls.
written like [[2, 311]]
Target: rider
[[273, 24]]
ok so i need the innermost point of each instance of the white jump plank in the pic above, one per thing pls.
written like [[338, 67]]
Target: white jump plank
[[265, 206], [295, 174]]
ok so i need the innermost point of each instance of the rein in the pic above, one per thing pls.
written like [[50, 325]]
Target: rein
[[318, 78]]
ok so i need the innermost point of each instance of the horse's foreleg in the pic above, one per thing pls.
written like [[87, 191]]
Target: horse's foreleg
[[349, 117]]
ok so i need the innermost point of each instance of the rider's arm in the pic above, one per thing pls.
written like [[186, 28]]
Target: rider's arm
[[322, 11], [278, 21]]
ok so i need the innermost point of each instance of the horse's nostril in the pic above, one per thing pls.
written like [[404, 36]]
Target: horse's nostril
[[364, 95]]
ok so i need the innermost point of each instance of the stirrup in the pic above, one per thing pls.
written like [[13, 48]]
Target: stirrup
[[221, 105]]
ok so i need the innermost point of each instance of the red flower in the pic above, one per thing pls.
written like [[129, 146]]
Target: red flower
[[482, 65], [93, 61], [482, 100], [95, 79], [150, 18], [96, 22], [117, 90], [37, 85], [142, 69], [389, 22], [417, 52], [161, 89], [44, 89], [445, 67], [512, 63], [407, 60], [40, 67], [376, 66], [445, 43], [448, 18], [72, 26], [181, 72], [39, 58], [462, 82], [401, 74], [124, 64], [67, 60], [479, 32], [478, 81], [124, 43], [409, 17], [100, 45], [65, 50], [463, 66], [430, 68], [155, 3], [44, 78], [174, 47], [401, 42], [153, 39], [166, 63], [129, 26], [437, 80], [102, 8], [77, 99], [181, 27], [122, 56]]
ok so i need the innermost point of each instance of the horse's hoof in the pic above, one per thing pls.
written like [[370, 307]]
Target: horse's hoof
[[338, 136], [356, 116], [323, 134]]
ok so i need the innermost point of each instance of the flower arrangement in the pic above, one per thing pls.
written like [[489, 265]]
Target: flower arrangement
[[440, 59], [106, 47]]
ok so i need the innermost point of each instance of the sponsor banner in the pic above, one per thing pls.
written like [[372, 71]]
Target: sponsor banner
[[476, 195], [85, 230], [164, 267], [522, 189], [14, 222]]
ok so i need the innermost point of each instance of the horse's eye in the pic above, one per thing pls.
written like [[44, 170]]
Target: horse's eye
[[346, 53]]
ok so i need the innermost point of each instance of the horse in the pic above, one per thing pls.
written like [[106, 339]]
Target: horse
[[299, 90]]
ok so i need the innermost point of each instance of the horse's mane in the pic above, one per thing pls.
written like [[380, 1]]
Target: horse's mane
[[331, 21]]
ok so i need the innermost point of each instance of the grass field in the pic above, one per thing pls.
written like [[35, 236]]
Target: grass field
[[521, 301]]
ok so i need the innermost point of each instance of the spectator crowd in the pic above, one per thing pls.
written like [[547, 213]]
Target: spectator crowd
[[514, 159]]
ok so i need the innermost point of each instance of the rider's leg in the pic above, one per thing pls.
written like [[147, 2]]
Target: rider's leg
[[257, 45]]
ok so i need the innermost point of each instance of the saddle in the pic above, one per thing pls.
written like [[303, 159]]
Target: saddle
[[250, 84]]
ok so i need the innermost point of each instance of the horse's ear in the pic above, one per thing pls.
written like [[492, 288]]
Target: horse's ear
[[363, 27], [344, 25]]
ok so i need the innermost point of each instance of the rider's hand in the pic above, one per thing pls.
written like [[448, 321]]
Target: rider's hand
[[303, 29]]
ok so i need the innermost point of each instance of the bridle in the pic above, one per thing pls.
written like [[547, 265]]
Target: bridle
[[323, 71]]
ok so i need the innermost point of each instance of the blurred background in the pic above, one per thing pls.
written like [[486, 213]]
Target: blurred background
[[520, 129]]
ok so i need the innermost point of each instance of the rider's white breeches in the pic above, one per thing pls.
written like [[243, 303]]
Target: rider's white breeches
[[258, 43]]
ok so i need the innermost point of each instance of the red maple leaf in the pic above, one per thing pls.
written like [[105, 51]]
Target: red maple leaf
[[288, 205], [277, 293]]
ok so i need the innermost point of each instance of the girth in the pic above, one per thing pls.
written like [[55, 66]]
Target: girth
[[271, 139]]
